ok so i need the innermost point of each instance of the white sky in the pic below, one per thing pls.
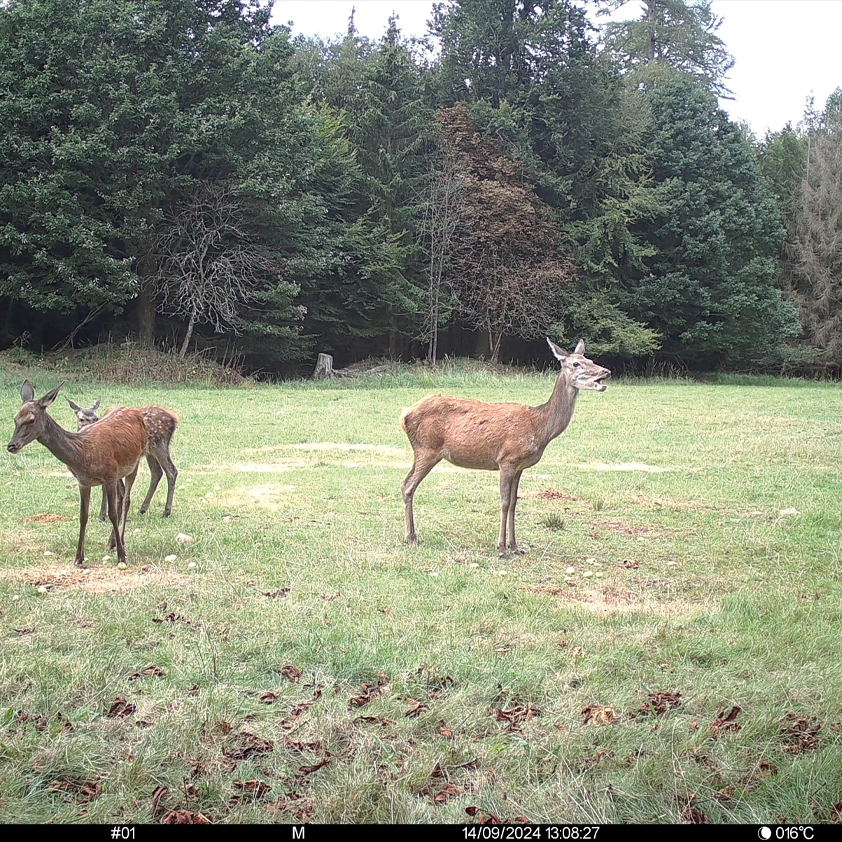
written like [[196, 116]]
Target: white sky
[[785, 50]]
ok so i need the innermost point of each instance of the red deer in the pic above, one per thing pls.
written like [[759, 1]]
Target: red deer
[[505, 437], [160, 427], [101, 455]]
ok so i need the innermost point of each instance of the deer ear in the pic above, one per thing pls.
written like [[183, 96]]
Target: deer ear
[[74, 406], [96, 403], [559, 354], [47, 399], [580, 348], [27, 393]]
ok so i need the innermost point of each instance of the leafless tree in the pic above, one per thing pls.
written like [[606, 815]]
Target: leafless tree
[[817, 253], [209, 261], [442, 211]]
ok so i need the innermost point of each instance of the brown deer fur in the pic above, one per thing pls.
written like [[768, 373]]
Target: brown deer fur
[[160, 428], [101, 455], [505, 437]]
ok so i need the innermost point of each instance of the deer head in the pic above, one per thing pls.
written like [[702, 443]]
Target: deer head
[[85, 417], [582, 373], [31, 418]]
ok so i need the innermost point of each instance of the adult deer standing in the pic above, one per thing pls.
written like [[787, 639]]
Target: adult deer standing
[[505, 437], [160, 427], [101, 455]]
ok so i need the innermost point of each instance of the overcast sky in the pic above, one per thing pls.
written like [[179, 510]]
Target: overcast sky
[[785, 50]]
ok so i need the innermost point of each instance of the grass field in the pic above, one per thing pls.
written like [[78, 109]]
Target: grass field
[[296, 662]]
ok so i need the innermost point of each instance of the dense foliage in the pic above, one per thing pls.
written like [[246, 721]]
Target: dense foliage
[[183, 173]]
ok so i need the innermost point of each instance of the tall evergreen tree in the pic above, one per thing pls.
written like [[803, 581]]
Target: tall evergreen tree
[[709, 288]]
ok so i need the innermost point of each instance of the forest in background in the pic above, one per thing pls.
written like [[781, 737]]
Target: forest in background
[[184, 174]]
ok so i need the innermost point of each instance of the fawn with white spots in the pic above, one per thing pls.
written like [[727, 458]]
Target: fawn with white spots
[[160, 428]]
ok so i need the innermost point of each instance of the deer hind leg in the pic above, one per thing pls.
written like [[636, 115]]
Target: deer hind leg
[[421, 466], [84, 508], [157, 473], [511, 520], [127, 499]]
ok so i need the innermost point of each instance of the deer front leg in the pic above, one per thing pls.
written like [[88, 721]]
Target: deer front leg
[[512, 504], [114, 507], [421, 466], [103, 509], [84, 508], [507, 477]]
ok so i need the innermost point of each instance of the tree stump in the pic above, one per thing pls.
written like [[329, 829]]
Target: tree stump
[[324, 366]]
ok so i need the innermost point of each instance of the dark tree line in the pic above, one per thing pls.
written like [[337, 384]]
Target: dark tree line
[[184, 172]]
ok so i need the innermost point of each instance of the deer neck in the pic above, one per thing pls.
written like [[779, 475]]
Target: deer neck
[[62, 444], [555, 414]]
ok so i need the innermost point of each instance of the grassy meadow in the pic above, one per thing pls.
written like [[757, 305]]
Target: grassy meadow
[[296, 662]]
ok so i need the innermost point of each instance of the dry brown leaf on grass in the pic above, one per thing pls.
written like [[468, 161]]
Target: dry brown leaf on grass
[[726, 722], [660, 702], [147, 671], [690, 814], [800, 734], [268, 697], [598, 715], [245, 744], [158, 794], [308, 770], [486, 817], [369, 692], [514, 716], [290, 672], [120, 709], [416, 710], [445, 731], [184, 817], [256, 789]]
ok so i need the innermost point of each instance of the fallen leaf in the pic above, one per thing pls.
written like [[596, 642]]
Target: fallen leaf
[[290, 672], [184, 817], [120, 709], [255, 788], [158, 793], [246, 744], [598, 715]]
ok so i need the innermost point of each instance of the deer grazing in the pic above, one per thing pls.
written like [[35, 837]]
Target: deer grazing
[[102, 455], [504, 437], [160, 427]]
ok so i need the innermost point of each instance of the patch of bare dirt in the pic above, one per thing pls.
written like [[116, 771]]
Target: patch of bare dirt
[[623, 466], [610, 599], [44, 518], [620, 528], [98, 580], [263, 496]]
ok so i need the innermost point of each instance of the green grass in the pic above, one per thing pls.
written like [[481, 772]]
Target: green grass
[[434, 679]]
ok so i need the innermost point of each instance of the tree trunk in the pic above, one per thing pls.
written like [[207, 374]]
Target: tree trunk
[[146, 316], [324, 366], [186, 344]]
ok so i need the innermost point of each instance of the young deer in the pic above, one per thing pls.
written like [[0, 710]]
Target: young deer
[[505, 437], [160, 427], [102, 455]]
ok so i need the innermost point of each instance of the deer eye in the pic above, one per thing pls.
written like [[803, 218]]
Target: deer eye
[[576, 365]]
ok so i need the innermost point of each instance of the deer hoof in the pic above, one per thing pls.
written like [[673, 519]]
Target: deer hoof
[[516, 551], [412, 541], [504, 554]]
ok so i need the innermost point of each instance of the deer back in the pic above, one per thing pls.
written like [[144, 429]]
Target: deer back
[[112, 446]]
